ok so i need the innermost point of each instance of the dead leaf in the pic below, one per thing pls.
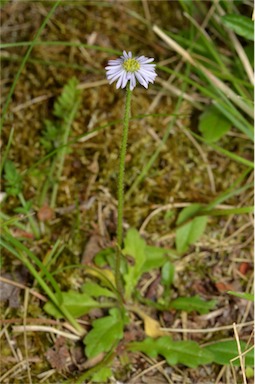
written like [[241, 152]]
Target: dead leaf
[[244, 268], [9, 292], [224, 287], [105, 275], [152, 327], [20, 233], [93, 246], [45, 213], [58, 356]]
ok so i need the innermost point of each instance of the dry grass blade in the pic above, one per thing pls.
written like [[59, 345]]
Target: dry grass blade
[[240, 354], [213, 79], [41, 328], [207, 330]]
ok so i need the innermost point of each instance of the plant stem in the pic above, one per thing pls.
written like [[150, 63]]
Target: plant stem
[[121, 187]]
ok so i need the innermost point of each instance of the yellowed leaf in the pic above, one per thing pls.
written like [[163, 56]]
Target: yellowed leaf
[[152, 327], [105, 275]]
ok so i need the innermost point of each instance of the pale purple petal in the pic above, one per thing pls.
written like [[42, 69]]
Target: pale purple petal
[[114, 62], [144, 60], [114, 69], [132, 82], [119, 82], [144, 75], [124, 80], [141, 80]]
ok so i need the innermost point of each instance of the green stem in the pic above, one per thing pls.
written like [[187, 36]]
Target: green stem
[[121, 187]]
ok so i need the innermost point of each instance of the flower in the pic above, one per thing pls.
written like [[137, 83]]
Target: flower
[[128, 68]]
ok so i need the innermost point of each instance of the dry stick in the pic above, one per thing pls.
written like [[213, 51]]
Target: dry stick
[[44, 328], [206, 330], [213, 79], [26, 299], [22, 286], [240, 353]]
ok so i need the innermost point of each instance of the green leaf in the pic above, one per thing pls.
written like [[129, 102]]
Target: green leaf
[[167, 278], [188, 213], [25, 209], [167, 274], [65, 102], [76, 303], [194, 303], [156, 257], [241, 25], [189, 233], [134, 246], [96, 290], [13, 179], [105, 257], [106, 331], [242, 295], [188, 353], [144, 258], [102, 375], [51, 135], [249, 372], [224, 351], [213, 125]]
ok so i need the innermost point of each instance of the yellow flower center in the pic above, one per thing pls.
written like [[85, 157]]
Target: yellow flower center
[[131, 65]]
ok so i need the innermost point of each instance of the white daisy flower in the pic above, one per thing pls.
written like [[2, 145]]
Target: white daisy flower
[[128, 68]]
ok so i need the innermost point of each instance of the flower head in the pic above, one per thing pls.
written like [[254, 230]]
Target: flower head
[[128, 68]]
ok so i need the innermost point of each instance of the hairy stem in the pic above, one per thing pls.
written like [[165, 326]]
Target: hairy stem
[[121, 188]]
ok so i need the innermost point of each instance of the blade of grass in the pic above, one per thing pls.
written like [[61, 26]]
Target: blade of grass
[[213, 80], [19, 254], [6, 152], [220, 101], [232, 211], [57, 64], [236, 44], [231, 191], [6, 221], [211, 48], [225, 152], [22, 248], [52, 256], [60, 43], [23, 63], [248, 129]]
